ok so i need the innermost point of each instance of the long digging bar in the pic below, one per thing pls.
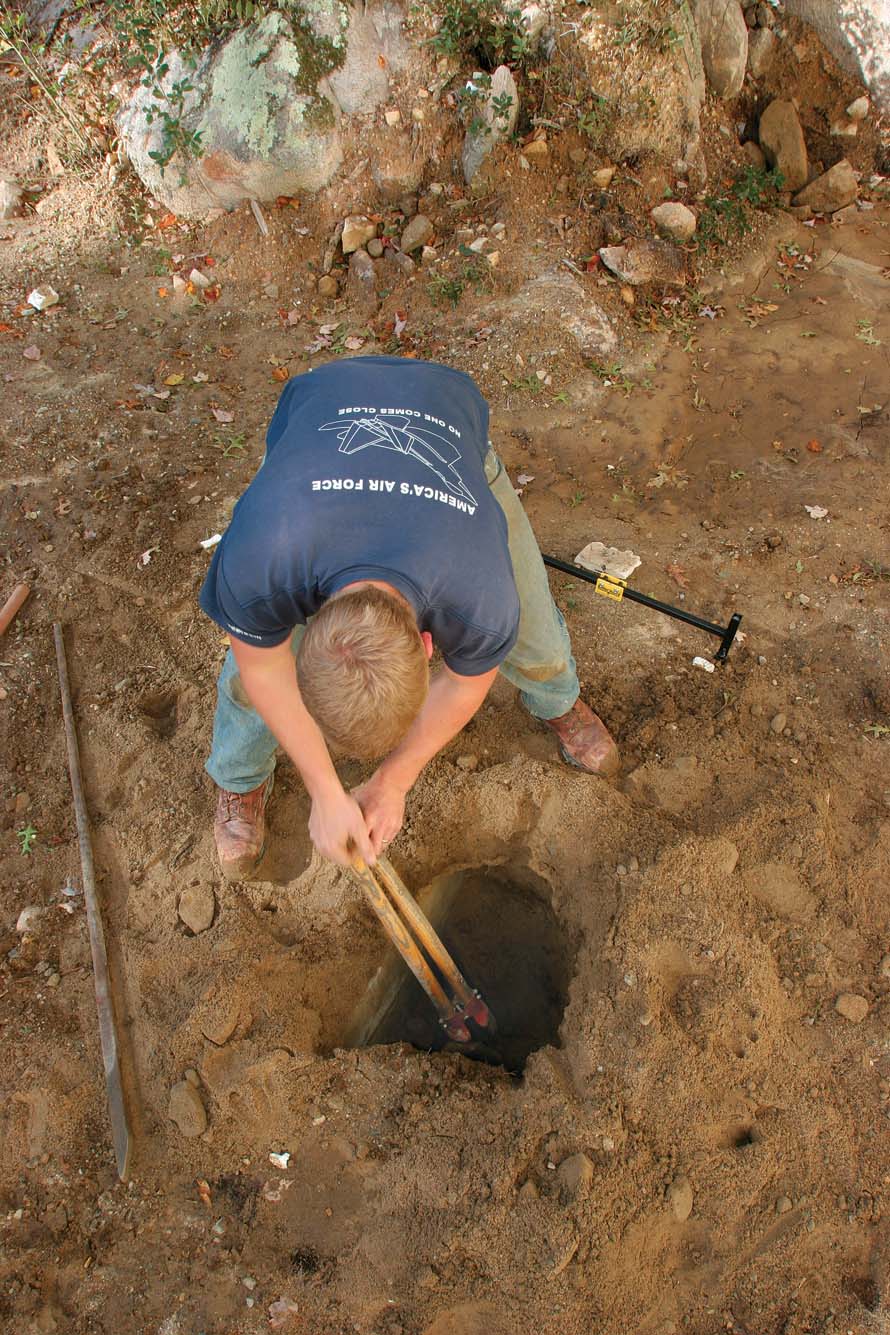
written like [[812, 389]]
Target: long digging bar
[[473, 1004], [117, 1108], [610, 586], [450, 1015]]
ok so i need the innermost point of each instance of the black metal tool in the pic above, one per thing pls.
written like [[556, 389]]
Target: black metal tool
[[610, 586]]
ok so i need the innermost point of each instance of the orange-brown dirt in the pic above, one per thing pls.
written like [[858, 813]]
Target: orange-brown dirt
[[716, 901]]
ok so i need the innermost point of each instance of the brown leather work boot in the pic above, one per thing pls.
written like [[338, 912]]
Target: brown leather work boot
[[240, 830], [586, 741]]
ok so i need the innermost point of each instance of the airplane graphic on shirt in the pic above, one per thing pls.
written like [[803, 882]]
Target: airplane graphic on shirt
[[404, 437]]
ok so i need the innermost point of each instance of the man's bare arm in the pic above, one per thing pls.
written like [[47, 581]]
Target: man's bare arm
[[269, 678], [451, 703]]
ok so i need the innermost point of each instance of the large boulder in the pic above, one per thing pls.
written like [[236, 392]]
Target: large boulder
[[781, 138], [263, 113], [724, 44], [857, 33], [834, 190]]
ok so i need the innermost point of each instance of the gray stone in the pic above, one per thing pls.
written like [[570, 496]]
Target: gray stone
[[362, 273], [402, 262], [270, 106], [555, 298], [681, 1198], [495, 125], [641, 262], [197, 905], [418, 233], [858, 109], [783, 1204], [397, 166], [761, 51], [357, 229], [375, 247], [675, 221], [858, 35], [778, 722], [187, 1110], [327, 286], [834, 190], [724, 44], [10, 198], [575, 1177], [781, 138], [852, 1007]]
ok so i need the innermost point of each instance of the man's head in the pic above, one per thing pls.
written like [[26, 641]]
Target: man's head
[[363, 670]]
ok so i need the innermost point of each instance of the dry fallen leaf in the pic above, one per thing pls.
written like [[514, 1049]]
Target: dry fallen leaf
[[204, 1191], [281, 1313], [32, 353], [814, 446], [167, 220], [816, 511], [281, 373], [678, 575], [8, 329], [175, 379], [222, 415]]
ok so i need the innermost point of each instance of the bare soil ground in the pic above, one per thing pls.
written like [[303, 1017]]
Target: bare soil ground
[[714, 903]]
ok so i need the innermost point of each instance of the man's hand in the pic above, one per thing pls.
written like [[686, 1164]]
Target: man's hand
[[383, 805], [339, 831]]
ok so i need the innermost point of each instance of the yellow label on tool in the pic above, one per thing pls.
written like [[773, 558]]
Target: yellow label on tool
[[611, 587]]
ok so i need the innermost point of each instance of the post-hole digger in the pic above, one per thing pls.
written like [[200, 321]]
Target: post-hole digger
[[457, 1004]]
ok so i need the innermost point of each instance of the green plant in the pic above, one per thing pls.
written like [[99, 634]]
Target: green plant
[[866, 333], [595, 118], [651, 23], [444, 290], [169, 110], [231, 445], [877, 730], [530, 383], [725, 216], [26, 837], [483, 31]]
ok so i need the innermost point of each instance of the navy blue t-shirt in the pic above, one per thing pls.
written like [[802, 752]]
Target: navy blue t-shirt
[[373, 470]]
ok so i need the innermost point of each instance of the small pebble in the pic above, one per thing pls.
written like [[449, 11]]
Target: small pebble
[[783, 1205], [53, 980], [681, 1198], [885, 966], [852, 1007], [375, 247], [467, 762], [778, 722], [197, 905]]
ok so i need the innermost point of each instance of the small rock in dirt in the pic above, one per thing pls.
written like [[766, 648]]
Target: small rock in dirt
[[186, 1109], [200, 279], [783, 1205], [375, 247], [777, 723], [191, 1075], [858, 110], [361, 272], [403, 262], [834, 190], [754, 155], [781, 138], [675, 221], [575, 1176], [10, 198], [467, 762], [761, 51], [642, 262], [536, 151], [419, 232], [357, 229], [392, 115], [43, 297], [680, 1198], [28, 919], [885, 967], [852, 1007], [197, 905], [602, 177], [327, 286], [724, 44]]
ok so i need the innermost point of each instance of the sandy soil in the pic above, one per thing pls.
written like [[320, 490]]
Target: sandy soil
[[704, 1146]]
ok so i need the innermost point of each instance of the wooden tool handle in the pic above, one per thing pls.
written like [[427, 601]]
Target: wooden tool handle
[[12, 605]]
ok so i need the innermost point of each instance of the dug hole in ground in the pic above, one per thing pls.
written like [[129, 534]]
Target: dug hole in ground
[[692, 965]]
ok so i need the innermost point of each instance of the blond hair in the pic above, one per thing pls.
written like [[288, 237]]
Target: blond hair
[[363, 672]]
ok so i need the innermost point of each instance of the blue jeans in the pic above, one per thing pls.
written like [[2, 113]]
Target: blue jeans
[[540, 663]]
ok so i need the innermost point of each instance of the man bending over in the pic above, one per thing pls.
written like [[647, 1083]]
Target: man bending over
[[380, 524]]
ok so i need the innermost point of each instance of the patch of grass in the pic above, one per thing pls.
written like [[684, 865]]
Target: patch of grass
[[595, 118]]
